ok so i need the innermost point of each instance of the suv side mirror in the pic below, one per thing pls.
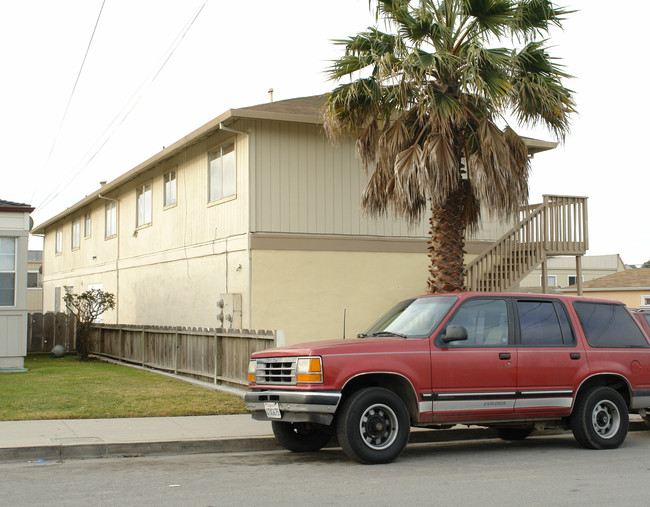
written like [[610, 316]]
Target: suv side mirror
[[454, 334]]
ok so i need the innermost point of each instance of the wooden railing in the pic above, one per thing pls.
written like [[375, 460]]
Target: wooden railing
[[557, 226]]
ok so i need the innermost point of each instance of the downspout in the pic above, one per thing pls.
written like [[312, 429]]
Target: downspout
[[248, 232], [117, 257]]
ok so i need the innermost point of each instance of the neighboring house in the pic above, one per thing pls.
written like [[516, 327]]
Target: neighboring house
[[15, 224], [561, 271], [631, 286], [34, 285], [256, 216]]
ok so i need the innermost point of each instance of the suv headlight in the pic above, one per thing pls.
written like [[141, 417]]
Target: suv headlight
[[252, 365], [309, 369]]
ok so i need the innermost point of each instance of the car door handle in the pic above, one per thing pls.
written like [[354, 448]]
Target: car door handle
[[504, 355], [575, 355]]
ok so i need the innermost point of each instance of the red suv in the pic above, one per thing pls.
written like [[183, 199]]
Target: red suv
[[643, 316], [512, 362]]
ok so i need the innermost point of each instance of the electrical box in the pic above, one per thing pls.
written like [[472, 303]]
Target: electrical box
[[231, 310]]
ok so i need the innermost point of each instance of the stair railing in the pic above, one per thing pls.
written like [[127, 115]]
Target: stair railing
[[557, 226]]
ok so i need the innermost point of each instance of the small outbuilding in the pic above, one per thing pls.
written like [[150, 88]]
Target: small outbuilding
[[15, 224]]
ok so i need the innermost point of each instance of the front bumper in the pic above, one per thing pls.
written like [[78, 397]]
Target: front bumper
[[295, 406]]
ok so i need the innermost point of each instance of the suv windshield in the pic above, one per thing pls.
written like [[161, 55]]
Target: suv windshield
[[413, 318]]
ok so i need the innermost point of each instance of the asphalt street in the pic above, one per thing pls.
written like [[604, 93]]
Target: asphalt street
[[547, 470]]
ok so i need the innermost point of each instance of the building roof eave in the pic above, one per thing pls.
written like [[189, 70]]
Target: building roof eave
[[300, 110]]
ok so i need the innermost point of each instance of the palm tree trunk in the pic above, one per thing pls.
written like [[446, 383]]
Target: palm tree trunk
[[447, 244]]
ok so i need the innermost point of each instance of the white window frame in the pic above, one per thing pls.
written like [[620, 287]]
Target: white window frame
[[57, 299], [170, 188], [110, 220], [75, 234], [38, 279], [11, 270], [88, 223], [143, 198], [58, 241], [550, 279], [216, 190], [645, 301]]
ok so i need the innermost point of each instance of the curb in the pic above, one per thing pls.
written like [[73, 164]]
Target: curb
[[61, 452]]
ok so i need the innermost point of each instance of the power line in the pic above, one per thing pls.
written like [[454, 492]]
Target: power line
[[119, 119], [67, 107]]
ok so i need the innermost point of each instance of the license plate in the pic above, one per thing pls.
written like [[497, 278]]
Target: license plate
[[272, 410]]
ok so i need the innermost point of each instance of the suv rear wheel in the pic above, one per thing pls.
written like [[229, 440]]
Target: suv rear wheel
[[600, 419]]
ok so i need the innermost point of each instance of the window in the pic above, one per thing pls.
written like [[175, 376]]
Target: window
[[414, 317], [573, 279], [221, 172], [486, 322], [87, 225], [76, 234], [169, 188], [609, 325], [7, 271], [143, 205], [645, 301], [110, 219], [58, 247], [33, 281], [551, 280], [57, 299], [544, 323]]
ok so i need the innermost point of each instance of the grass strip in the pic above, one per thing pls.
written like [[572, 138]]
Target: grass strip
[[66, 388]]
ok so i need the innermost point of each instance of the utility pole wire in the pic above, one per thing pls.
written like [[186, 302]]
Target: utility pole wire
[[67, 107], [120, 117]]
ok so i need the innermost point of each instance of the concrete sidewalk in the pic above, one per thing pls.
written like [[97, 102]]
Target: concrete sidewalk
[[60, 439], [91, 438]]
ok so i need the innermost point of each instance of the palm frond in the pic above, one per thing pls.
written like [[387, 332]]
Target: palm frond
[[534, 18], [537, 94], [491, 16]]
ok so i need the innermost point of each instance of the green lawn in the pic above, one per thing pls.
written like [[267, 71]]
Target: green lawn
[[66, 388]]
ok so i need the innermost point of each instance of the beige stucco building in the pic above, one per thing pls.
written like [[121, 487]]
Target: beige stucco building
[[14, 230], [257, 212], [631, 286], [561, 271]]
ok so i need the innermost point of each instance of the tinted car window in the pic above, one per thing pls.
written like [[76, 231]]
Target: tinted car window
[[543, 323], [609, 325], [567, 330], [486, 322], [538, 323]]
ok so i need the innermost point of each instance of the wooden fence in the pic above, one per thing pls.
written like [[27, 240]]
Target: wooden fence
[[216, 355], [45, 330]]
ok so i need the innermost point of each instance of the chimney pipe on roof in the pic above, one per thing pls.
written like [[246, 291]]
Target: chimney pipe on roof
[[270, 94], [102, 183]]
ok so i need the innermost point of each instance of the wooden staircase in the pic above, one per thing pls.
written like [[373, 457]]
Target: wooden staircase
[[557, 226]]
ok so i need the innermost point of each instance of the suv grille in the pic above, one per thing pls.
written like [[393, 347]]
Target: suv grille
[[276, 370]]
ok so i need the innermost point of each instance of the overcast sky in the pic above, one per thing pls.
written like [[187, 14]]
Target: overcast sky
[[158, 69]]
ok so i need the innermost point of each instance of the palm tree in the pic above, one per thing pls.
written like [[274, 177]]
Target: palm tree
[[424, 99]]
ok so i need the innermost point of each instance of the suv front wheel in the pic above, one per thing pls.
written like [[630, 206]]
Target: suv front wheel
[[373, 426], [600, 419]]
